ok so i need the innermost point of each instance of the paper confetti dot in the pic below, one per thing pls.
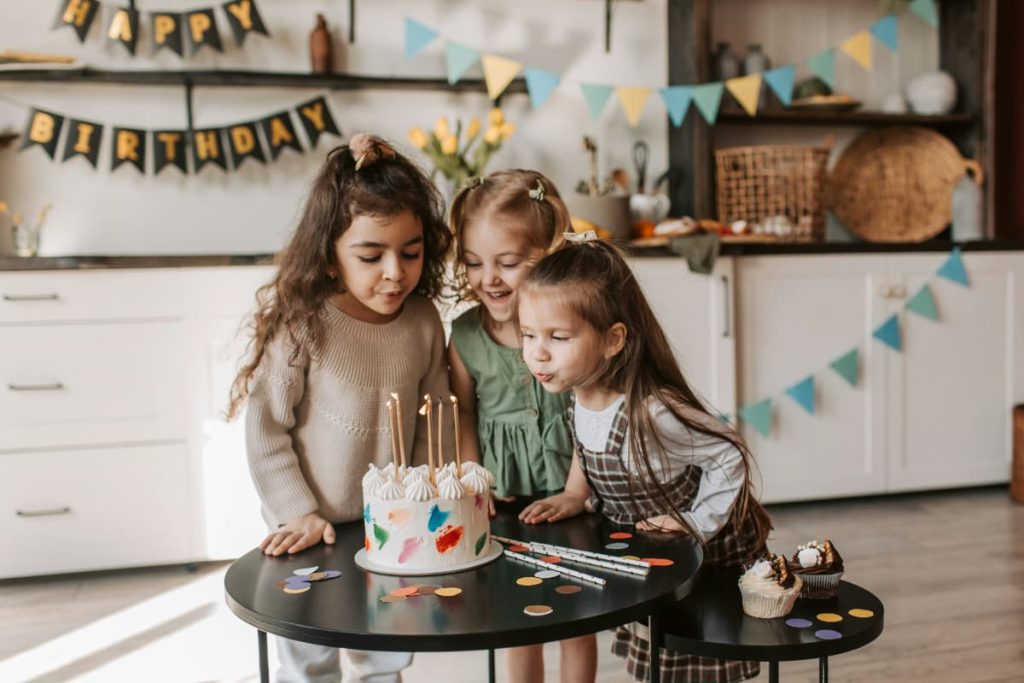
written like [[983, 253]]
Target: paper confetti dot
[[630, 557], [529, 581], [617, 546], [657, 561], [620, 535], [861, 613], [449, 592], [568, 590], [828, 634], [392, 598], [538, 610], [546, 574], [799, 623], [426, 590], [829, 617], [305, 571], [294, 590], [405, 591], [295, 582], [551, 559], [518, 548]]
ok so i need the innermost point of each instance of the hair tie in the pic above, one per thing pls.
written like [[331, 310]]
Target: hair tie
[[473, 182], [369, 149], [580, 237], [537, 193]]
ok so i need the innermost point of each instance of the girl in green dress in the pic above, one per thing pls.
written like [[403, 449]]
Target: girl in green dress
[[503, 224]]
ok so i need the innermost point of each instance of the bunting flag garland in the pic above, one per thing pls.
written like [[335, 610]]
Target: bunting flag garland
[[316, 120], [858, 47], [823, 65], [677, 100], [923, 303], [633, 101], [708, 98], [279, 133], [781, 81], [44, 130], [887, 32], [848, 366], [169, 150], [208, 148], [417, 37], [458, 59], [747, 91], [596, 97], [168, 29], [758, 416], [498, 73], [953, 269], [540, 84], [926, 10], [128, 145], [889, 333], [243, 141], [803, 393], [83, 139]]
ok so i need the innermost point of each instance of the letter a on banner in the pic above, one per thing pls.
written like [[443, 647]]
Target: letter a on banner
[[316, 120], [83, 139], [43, 129], [79, 15], [244, 18], [124, 28], [128, 146], [279, 133]]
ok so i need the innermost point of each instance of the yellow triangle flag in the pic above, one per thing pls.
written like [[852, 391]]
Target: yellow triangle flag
[[746, 90], [633, 101], [498, 73], [858, 47]]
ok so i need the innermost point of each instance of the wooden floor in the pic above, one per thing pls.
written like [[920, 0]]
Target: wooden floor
[[948, 566]]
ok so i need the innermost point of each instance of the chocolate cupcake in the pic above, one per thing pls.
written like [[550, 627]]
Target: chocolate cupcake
[[769, 588], [820, 566]]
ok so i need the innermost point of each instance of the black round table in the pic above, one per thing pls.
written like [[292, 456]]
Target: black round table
[[347, 612], [710, 623]]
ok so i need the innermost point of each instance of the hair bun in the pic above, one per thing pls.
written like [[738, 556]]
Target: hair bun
[[369, 149]]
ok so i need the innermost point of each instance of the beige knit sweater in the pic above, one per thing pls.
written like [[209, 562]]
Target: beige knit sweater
[[311, 430]]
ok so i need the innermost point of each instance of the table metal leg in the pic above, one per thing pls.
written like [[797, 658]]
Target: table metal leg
[[655, 632], [261, 637], [490, 665], [773, 672], [823, 670]]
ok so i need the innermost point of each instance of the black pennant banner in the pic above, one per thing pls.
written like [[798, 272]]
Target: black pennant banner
[[169, 150], [316, 119], [43, 130], [201, 28], [78, 14], [128, 145], [279, 133], [124, 28], [83, 139], [244, 18], [208, 148], [166, 30], [244, 143]]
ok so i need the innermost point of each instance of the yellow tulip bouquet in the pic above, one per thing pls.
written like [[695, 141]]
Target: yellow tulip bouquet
[[458, 159]]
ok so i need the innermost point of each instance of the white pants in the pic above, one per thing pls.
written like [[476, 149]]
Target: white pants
[[308, 663]]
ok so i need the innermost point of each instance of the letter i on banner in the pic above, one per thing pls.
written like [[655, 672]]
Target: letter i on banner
[[166, 30], [244, 18], [169, 150], [244, 144], [279, 132], [201, 28], [316, 120], [83, 139], [78, 14], [124, 28], [43, 129], [128, 146], [207, 148]]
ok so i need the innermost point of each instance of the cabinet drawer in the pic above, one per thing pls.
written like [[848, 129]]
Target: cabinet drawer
[[63, 511], [51, 296], [64, 385]]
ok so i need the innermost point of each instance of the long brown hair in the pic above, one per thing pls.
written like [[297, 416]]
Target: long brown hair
[[595, 280], [367, 177], [524, 200]]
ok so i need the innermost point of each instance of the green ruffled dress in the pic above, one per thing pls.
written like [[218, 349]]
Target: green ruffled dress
[[522, 429]]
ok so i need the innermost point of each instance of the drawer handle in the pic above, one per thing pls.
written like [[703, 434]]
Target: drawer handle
[[44, 513], [30, 297], [55, 386]]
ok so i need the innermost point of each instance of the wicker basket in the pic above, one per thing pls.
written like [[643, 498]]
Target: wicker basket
[[756, 183]]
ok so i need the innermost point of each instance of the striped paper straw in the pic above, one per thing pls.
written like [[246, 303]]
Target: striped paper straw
[[555, 567], [560, 550]]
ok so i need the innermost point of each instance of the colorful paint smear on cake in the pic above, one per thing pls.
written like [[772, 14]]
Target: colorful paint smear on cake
[[479, 502], [366, 542], [481, 543], [448, 538], [399, 516], [437, 518], [380, 534], [409, 549], [366, 513]]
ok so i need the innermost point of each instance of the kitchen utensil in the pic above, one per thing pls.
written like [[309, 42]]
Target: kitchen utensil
[[641, 155]]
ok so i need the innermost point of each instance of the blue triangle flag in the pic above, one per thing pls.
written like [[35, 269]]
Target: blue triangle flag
[[953, 268], [458, 59], [887, 32], [417, 37], [596, 97], [780, 80], [759, 416], [923, 303], [708, 97], [848, 366], [889, 333], [677, 101], [823, 65], [539, 83], [927, 10], [803, 393]]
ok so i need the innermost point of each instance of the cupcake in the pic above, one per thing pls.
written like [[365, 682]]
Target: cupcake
[[769, 588], [820, 566]]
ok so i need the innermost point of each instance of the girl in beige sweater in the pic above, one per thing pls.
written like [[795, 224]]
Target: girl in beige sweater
[[346, 322]]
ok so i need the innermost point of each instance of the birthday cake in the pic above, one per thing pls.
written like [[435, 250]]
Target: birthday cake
[[415, 526]]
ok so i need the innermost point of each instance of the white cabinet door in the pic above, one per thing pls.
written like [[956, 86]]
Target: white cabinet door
[[796, 314], [952, 388], [696, 312]]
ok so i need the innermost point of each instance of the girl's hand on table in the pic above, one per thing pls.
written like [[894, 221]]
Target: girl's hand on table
[[552, 509], [661, 523], [298, 534]]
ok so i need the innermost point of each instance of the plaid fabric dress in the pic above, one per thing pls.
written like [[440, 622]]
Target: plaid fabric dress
[[607, 476]]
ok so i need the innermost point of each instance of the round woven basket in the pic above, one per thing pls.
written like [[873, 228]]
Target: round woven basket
[[896, 184]]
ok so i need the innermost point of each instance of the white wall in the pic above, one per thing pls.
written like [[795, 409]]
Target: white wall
[[252, 210]]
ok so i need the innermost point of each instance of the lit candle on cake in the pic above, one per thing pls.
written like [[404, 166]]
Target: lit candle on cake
[[440, 433], [394, 435], [426, 411], [401, 433], [455, 418]]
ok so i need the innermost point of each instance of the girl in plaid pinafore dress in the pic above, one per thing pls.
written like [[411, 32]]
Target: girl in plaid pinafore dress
[[647, 452]]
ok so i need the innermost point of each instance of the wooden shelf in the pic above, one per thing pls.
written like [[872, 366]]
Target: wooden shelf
[[7, 138], [277, 79], [795, 117]]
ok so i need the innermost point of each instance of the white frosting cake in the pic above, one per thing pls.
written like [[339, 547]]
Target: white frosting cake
[[414, 526]]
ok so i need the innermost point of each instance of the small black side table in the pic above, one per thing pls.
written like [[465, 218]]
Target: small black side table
[[347, 612], [710, 623]]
